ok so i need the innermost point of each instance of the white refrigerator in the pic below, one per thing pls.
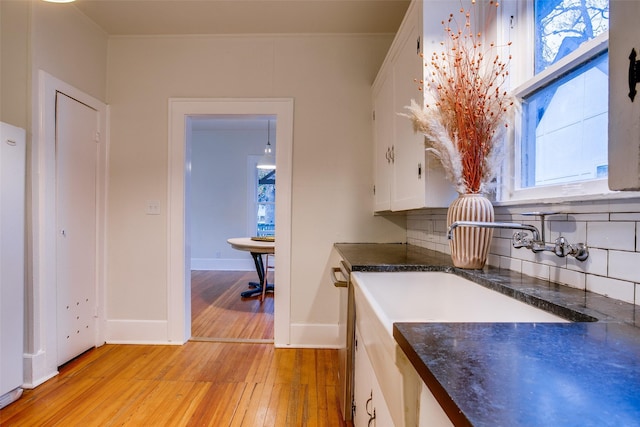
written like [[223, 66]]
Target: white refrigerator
[[12, 266]]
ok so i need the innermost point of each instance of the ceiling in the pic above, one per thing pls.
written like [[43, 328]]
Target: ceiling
[[170, 17]]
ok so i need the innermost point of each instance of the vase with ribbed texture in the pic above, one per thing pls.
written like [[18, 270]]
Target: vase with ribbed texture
[[470, 245]]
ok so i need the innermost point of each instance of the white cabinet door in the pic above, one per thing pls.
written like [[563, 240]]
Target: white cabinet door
[[76, 175], [405, 178], [383, 141], [624, 125], [370, 407], [362, 387], [408, 185]]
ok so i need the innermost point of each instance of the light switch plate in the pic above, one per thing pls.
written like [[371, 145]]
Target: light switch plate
[[153, 207]]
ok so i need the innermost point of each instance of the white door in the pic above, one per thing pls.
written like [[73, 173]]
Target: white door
[[76, 165]]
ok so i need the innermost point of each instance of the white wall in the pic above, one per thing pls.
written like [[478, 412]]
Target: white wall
[[219, 195], [69, 46], [329, 78], [14, 63]]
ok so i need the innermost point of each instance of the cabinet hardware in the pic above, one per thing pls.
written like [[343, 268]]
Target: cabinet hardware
[[419, 170], [418, 46], [634, 74], [337, 282], [372, 415]]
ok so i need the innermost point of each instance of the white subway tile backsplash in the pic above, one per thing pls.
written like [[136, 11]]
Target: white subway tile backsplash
[[588, 217], [624, 265], [612, 235], [501, 247], [618, 289], [626, 216], [595, 264], [608, 227], [574, 232], [511, 264], [534, 269], [493, 260], [575, 279]]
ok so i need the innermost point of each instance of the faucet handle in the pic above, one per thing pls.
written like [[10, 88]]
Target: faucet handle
[[562, 248], [521, 239]]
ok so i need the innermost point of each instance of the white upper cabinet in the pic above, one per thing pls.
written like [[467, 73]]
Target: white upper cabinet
[[624, 114], [405, 178]]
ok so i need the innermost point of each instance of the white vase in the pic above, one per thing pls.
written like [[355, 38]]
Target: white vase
[[470, 245]]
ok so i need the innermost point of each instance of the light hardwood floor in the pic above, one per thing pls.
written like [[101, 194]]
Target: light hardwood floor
[[217, 311], [199, 383]]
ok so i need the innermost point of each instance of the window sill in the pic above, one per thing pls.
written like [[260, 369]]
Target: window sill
[[554, 200]]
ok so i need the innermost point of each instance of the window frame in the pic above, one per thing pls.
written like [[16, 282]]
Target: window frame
[[518, 28]]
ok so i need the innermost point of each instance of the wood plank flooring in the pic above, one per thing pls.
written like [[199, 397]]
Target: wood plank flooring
[[197, 384], [218, 311]]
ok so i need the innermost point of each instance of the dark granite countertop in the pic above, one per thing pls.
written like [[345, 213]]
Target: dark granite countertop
[[585, 373]]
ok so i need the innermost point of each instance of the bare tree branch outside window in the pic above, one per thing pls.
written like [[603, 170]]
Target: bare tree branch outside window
[[563, 25]]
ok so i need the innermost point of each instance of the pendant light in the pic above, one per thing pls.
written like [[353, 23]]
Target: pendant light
[[268, 160]]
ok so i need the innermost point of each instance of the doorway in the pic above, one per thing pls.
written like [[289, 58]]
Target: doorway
[[230, 197], [179, 292]]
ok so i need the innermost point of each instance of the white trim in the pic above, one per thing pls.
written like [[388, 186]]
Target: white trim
[[178, 293], [313, 335], [588, 50], [41, 355], [138, 332]]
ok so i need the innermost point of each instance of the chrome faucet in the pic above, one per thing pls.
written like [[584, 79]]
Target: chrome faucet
[[536, 243], [505, 225]]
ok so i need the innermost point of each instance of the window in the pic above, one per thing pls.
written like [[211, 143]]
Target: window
[[265, 202], [562, 138]]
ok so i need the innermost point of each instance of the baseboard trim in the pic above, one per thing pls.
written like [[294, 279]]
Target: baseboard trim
[[307, 335], [233, 340], [36, 371], [138, 332]]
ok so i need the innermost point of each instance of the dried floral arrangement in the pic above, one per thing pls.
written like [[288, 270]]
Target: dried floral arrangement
[[464, 125]]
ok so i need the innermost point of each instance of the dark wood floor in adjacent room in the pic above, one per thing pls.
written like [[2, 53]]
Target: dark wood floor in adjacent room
[[203, 383]]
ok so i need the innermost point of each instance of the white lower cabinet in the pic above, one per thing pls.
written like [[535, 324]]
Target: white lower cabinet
[[370, 407], [431, 413]]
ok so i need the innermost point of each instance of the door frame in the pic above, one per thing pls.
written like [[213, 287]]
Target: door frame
[[41, 328], [179, 270]]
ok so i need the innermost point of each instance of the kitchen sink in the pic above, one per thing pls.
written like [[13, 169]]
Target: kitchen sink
[[441, 297], [384, 298]]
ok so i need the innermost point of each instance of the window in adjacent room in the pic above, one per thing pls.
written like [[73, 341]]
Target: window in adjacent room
[[265, 202]]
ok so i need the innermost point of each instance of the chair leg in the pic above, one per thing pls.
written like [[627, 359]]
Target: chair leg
[[265, 280]]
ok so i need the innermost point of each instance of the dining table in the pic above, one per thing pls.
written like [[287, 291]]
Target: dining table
[[257, 247]]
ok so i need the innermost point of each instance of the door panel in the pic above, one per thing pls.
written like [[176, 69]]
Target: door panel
[[76, 165]]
